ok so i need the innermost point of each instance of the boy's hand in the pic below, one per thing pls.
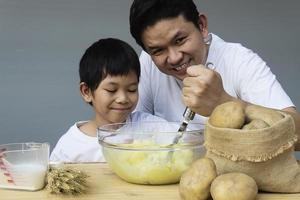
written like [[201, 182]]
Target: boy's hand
[[203, 90]]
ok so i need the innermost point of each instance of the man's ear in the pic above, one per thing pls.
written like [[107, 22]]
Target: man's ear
[[85, 92], [203, 25]]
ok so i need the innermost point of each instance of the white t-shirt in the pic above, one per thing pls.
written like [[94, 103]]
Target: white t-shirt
[[75, 146], [244, 74]]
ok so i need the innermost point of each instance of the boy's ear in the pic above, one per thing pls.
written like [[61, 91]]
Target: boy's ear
[[85, 92]]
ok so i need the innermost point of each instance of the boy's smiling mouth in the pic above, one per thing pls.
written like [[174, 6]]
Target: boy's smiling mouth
[[121, 109]]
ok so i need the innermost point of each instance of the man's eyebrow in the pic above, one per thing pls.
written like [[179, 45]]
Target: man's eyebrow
[[151, 48], [178, 34]]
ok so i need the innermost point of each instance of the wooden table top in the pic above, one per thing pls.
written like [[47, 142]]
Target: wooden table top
[[104, 184]]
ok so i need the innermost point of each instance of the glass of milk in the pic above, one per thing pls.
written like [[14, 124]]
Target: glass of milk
[[24, 166]]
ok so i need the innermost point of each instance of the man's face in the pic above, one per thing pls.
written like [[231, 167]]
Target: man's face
[[175, 44]]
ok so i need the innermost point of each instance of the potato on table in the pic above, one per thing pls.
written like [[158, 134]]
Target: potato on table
[[195, 182], [234, 186]]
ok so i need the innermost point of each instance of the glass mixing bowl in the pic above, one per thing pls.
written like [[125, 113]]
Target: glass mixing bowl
[[143, 153]]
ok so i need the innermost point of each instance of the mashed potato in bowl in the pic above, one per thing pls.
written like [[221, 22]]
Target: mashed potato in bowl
[[143, 158], [148, 167]]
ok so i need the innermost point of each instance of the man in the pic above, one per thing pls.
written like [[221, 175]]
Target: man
[[185, 65]]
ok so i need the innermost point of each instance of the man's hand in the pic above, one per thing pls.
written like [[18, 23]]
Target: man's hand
[[203, 90]]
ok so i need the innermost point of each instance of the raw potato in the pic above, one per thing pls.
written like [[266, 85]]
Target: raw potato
[[255, 124], [195, 182], [266, 114], [234, 186], [228, 115]]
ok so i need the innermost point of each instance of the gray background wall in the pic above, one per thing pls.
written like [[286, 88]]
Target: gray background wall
[[41, 42]]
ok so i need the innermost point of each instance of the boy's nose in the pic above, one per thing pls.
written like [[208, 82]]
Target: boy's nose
[[122, 98]]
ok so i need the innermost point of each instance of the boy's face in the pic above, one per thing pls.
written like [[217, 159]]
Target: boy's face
[[115, 98], [175, 44]]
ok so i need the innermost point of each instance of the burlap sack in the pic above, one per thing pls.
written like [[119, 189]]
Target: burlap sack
[[267, 155]]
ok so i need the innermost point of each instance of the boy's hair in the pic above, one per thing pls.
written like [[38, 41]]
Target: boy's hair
[[144, 13], [108, 56]]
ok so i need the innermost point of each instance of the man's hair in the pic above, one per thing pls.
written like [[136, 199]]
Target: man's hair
[[144, 13], [108, 56]]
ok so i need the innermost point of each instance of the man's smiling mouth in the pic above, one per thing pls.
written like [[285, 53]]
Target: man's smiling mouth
[[181, 67]]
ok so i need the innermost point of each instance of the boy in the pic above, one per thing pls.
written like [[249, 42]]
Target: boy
[[109, 75]]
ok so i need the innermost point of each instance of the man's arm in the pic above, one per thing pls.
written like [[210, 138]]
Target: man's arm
[[203, 91]]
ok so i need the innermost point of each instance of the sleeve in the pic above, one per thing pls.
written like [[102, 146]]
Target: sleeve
[[145, 102], [258, 84]]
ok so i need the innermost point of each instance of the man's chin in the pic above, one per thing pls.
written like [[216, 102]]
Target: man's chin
[[180, 77]]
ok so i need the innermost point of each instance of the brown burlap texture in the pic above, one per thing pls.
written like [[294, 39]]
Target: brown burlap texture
[[267, 155]]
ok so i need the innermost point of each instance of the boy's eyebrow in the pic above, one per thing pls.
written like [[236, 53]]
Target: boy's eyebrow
[[114, 83]]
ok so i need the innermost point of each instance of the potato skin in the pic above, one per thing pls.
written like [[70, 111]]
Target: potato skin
[[255, 124], [195, 182], [228, 115], [268, 115], [234, 186]]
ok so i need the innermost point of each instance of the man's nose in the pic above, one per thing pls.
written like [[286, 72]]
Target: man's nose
[[174, 56]]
